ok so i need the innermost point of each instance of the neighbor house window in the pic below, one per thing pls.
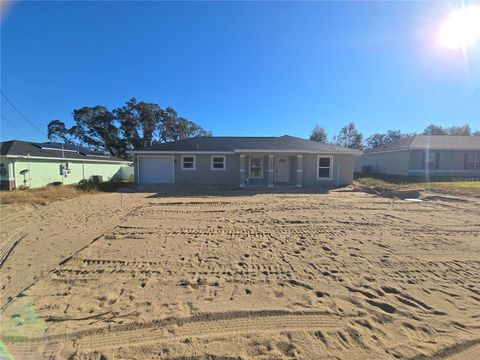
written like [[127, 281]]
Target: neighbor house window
[[324, 167], [218, 162], [188, 162], [472, 161], [431, 160], [256, 167]]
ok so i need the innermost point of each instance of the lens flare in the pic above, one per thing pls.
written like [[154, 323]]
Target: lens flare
[[461, 29]]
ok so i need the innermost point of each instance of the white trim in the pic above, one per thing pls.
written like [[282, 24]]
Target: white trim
[[194, 162], [299, 170], [330, 168], [179, 152], [224, 162], [63, 159], [242, 170], [161, 156], [250, 167], [271, 156]]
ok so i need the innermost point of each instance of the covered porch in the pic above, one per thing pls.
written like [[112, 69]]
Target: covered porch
[[271, 169]]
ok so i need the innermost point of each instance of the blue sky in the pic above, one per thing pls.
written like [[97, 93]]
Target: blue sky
[[239, 68]]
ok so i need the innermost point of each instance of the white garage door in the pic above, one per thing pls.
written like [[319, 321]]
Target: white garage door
[[156, 170]]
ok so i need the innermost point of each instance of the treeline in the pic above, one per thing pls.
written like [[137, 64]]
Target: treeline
[[350, 137], [137, 124]]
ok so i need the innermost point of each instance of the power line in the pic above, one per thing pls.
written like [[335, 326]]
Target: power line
[[11, 123], [17, 110]]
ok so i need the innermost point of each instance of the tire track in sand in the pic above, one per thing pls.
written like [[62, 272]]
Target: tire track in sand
[[207, 325]]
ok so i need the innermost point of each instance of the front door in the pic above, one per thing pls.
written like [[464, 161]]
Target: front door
[[282, 169]]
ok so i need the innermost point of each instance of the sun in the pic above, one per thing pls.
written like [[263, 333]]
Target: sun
[[461, 29]]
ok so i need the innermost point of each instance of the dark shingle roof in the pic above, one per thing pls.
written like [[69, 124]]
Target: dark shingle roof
[[230, 144], [52, 150], [431, 142]]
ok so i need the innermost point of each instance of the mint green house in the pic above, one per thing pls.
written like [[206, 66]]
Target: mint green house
[[35, 165]]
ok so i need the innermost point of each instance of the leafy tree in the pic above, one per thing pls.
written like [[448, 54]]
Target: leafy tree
[[319, 134], [350, 137], [375, 140], [463, 130], [134, 125], [381, 139], [434, 130]]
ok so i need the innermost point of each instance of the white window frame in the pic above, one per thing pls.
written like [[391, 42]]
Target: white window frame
[[224, 162], [250, 167], [194, 162], [330, 172]]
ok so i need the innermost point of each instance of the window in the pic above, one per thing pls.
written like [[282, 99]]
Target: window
[[472, 161], [218, 162], [431, 160], [188, 162], [324, 168], [256, 167]]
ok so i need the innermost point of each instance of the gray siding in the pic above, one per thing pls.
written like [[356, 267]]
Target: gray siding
[[410, 162], [342, 165], [390, 163], [451, 163], [342, 169], [203, 174]]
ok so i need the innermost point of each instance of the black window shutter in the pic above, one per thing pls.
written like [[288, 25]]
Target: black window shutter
[[424, 158], [465, 156], [437, 161]]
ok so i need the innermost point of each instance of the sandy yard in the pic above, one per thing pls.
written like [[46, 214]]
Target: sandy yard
[[343, 275]]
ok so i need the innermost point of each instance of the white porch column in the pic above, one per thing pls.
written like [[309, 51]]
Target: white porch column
[[242, 170], [299, 170], [270, 170]]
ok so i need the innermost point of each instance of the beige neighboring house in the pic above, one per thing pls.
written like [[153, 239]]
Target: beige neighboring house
[[436, 155]]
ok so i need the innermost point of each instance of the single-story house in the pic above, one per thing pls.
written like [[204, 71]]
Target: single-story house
[[32, 165], [436, 155], [244, 161]]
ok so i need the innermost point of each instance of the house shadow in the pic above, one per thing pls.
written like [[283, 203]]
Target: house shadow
[[200, 191]]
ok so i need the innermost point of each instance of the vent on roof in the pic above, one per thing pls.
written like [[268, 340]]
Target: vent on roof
[[57, 149], [98, 155]]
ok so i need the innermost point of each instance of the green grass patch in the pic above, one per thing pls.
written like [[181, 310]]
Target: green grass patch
[[442, 184]]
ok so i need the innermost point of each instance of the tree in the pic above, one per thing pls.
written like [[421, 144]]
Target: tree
[[134, 125], [319, 134], [350, 137], [463, 130], [434, 130], [375, 140], [381, 139]]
